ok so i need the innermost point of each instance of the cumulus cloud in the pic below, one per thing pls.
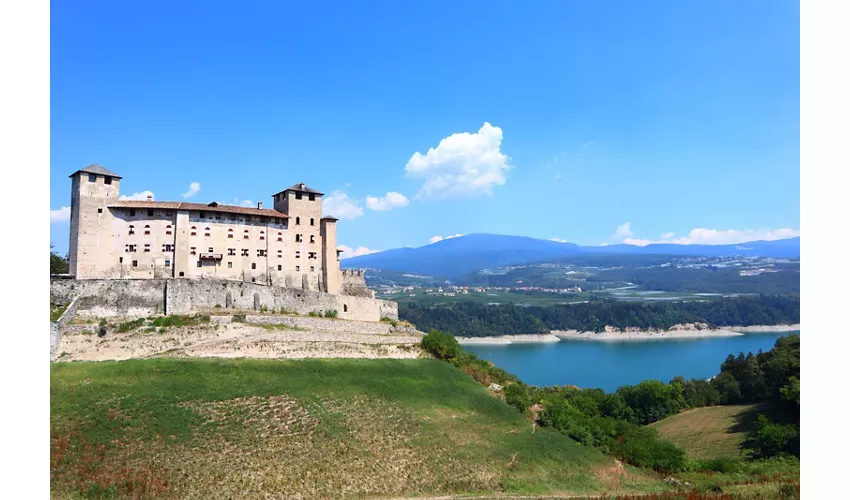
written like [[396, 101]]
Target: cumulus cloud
[[142, 196], [340, 205], [623, 231], [703, 236], [349, 252], [435, 239], [194, 187], [61, 215], [243, 203], [558, 177], [390, 201], [462, 165], [559, 240]]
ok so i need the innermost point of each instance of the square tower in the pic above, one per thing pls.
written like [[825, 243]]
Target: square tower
[[92, 189], [303, 206]]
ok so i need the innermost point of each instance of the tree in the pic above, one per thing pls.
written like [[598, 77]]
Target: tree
[[58, 265]]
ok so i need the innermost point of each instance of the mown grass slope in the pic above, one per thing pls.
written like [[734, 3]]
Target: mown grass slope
[[710, 432], [310, 428]]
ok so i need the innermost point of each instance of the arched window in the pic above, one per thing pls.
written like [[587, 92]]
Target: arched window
[[297, 238], [245, 236], [311, 222], [279, 236], [230, 233], [147, 229], [262, 235], [194, 231], [207, 232], [132, 229], [312, 238], [168, 229], [298, 221]]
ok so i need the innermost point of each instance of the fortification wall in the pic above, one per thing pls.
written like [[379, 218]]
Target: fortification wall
[[145, 297], [354, 283]]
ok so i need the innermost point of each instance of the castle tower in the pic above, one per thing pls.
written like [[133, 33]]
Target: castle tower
[[303, 205], [92, 189], [331, 275]]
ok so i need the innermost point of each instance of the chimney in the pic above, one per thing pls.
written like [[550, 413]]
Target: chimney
[[259, 204], [150, 197]]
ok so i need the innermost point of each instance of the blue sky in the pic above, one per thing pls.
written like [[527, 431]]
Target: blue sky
[[591, 122]]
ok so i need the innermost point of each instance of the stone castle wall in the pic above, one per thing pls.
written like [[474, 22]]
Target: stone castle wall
[[354, 283], [145, 297]]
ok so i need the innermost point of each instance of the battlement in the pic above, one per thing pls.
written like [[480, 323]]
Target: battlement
[[353, 273]]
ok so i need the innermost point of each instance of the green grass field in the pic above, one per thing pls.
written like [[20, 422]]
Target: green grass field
[[175, 428], [712, 432]]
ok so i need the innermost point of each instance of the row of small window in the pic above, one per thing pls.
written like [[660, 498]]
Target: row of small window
[[253, 266], [167, 213], [106, 179], [132, 248], [261, 252], [262, 220], [136, 263], [298, 221]]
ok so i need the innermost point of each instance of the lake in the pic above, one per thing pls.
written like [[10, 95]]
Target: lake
[[608, 365]]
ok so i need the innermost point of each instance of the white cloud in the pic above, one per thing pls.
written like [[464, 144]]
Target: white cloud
[[435, 239], [243, 203], [702, 236], [462, 165], [61, 215], [349, 252], [143, 196], [194, 187], [390, 201], [559, 240], [558, 176], [623, 231], [341, 205]]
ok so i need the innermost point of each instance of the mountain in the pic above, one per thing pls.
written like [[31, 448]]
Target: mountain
[[462, 255]]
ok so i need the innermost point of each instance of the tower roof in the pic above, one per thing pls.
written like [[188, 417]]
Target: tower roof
[[301, 187], [94, 168]]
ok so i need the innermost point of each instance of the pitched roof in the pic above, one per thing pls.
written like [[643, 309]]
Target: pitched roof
[[94, 168], [302, 188], [182, 205]]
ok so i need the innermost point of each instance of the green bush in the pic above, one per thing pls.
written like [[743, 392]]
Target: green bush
[[723, 465], [129, 326], [443, 346], [238, 318], [517, 396], [331, 314], [180, 320], [315, 314]]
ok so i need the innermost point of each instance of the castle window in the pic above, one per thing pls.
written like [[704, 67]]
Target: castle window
[[261, 253], [193, 251], [92, 178], [100, 210], [201, 214], [167, 248], [200, 263], [167, 263], [130, 248], [230, 233], [135, 263], [211, 249], [244, 252], [345, 308], [311, 222], [194, 231], [245, 236], [147, 247], [168, 229], [120, 260], [311, 255], [297, 238], [297, 268], [262, 235], [297, 254], [181, 274], [206, 232], [297, 195], [132, 212], [107, 180], [168, 213], [231, 251], [280, 254], [312, 197], [253, 265], [147, 230], [230, 265], [279, 267], [150, 212], [131, 230], [312, 238], [312, 268], [298, 221], [279, 236]]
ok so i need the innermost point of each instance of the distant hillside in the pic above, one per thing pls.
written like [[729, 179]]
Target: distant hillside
[[460, 256]]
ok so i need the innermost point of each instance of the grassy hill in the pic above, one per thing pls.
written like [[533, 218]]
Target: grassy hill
[[711, 432], [308, 428]]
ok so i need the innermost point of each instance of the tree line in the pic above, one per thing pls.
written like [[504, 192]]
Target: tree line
[[470, 319], [617, 423]]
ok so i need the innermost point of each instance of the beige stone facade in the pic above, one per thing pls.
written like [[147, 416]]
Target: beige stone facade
[[290, 246]]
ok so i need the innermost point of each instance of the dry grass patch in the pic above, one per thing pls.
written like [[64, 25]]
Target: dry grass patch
[[711, 432]]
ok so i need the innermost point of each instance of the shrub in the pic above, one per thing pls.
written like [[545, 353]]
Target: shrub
[[723, 465], [315, 314], [238, 318], [264, 309], [443, 346], [180, 320], [517, 396], [218, 306], [129, 326], [391, 321], [331, 314]]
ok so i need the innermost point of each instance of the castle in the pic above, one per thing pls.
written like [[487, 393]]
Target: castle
[[290, 245]]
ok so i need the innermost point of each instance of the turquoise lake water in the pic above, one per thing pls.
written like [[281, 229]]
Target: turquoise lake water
[[608, 365]]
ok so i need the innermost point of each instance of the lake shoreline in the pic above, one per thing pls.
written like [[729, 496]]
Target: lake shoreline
[[535, 338]]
